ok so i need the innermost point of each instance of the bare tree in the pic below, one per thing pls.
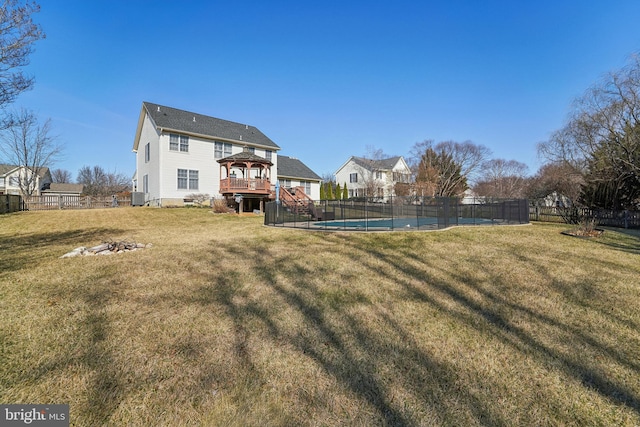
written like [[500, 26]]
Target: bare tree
[[469, 156], [601, 137], [61, 176], [502, 179], [562, 178], [26, 143], [97, 182], [18, 33]]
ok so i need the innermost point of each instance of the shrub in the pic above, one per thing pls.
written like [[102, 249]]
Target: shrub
[[220, 206]]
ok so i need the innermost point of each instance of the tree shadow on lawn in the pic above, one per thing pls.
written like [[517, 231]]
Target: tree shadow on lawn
[[374, 358], [105, 390], [371, 362], [630, 244], [353, 353], [497, 315]]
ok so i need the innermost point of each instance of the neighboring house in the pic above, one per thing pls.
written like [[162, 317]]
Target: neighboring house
[[180, 153], [293, 173], [553, 199], [62, 189], [373, 178], [11, 176]]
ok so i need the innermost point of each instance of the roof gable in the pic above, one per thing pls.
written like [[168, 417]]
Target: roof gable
[[60, 187], [291, 167], [9, 169], [173, 119], [377, 164]]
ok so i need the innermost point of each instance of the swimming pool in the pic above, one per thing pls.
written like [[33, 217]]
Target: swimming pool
[[400, 214], [397, 223]]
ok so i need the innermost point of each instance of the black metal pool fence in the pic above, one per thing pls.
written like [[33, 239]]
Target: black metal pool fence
[[396, 214]]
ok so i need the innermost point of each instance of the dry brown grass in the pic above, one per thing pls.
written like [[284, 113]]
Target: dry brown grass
[[227, 322]]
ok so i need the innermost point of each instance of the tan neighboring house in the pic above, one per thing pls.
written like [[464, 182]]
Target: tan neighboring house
[[373, 178], [62, 189], [11, 176]]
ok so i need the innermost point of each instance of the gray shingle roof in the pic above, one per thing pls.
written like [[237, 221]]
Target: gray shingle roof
[[185, 121], [5, 169], [383, 164], [293, 168]]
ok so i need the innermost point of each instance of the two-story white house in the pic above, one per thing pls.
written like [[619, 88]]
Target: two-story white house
[[373, 178], [180, 153], [15, 179]]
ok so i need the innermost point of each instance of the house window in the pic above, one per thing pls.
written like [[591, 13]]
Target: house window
[[221, 149], [252, 150], [147, 152], [307, 187], [183, 180], [193, 180], [353, 177], [267, 154], [286, 183], [187, 179], [145, 184], [400, 177], [184, 143], [179, 143], [378, 174]]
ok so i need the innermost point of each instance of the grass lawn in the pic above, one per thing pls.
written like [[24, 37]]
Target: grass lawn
[[227, 322]]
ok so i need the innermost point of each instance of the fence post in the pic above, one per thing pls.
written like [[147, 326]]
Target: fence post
[[626, 218]]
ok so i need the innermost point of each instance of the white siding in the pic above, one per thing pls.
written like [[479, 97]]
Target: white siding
[[149, 135], [162, 167], [199, 157]]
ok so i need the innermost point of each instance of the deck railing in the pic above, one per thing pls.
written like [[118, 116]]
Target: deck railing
[[244, 185]]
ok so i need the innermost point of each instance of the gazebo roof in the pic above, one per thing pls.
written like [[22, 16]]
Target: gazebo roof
[[245, 157]]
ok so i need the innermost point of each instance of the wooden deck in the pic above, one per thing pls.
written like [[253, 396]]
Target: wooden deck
[[246, 186]]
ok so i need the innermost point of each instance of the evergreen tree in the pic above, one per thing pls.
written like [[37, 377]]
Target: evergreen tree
[[338, 192], [322, 195], [329, 191], [345, 192]]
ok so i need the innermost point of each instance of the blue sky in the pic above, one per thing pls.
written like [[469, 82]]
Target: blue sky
[[324, 80]]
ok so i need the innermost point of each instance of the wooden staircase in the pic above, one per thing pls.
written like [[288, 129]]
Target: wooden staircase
[[297, 201]]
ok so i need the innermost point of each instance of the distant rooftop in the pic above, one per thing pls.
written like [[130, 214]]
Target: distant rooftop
[[291, 167]]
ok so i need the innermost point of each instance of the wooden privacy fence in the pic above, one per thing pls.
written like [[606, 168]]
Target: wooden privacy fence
[[603, 217], [53, 202], [10, 203]]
